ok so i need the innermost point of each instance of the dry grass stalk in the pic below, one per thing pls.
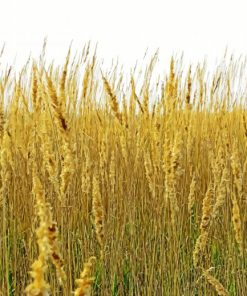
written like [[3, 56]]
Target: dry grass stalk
[[86, 174], [149, 173], [191, 198], [55, 254], [236, 219], [67, 168], [171, 88], [49, 159], [113, 101], [98, 213], [207, 210], [188, 92], [61, 123], [237, 171], [2, 121], [237, 225], [134, 98], [219, 288], [222, 191], [35, 90], [62, 85], [172, 167], [123, 143], [84, 283], [47, 239], [59, 115], [39, 286], [112, 172]]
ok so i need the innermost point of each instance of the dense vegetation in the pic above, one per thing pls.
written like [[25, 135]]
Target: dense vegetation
[[142, 182]]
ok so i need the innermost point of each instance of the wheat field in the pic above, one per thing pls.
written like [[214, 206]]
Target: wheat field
[[117, 184]]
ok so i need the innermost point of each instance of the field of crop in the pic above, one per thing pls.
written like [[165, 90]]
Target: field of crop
[[123, 185]]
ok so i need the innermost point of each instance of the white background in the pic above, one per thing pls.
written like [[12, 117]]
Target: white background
[[124, 29]]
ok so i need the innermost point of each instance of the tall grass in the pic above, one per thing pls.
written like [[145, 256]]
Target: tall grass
[[132, 186]]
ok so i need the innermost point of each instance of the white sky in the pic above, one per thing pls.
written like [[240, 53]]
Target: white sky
[[123, 29]]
